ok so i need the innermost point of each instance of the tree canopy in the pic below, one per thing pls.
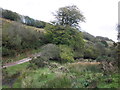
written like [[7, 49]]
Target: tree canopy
[[69, 16]]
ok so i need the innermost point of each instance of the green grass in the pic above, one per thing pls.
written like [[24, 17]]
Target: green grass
[[79, 76], [13, 70], [34, 78], [5, 86], [17, 68], [113, 84]]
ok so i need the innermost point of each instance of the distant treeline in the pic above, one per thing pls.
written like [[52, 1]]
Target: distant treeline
[[7, 14]]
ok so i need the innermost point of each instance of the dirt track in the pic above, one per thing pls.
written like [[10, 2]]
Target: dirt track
[[21, 61], [17, 62]]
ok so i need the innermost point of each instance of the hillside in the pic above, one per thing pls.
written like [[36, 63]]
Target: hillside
[[9, 22], [89, 37], [60, 56], [17, 38]]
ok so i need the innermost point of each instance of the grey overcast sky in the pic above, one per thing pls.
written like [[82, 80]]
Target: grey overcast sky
[[101, 15]]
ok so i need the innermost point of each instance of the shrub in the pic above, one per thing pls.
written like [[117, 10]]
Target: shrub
[[101, 48], [16, 37], [40, 62], [104, 58], [90, 51], [57, 35], [7, 52], [49, 51], [66, 54]]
